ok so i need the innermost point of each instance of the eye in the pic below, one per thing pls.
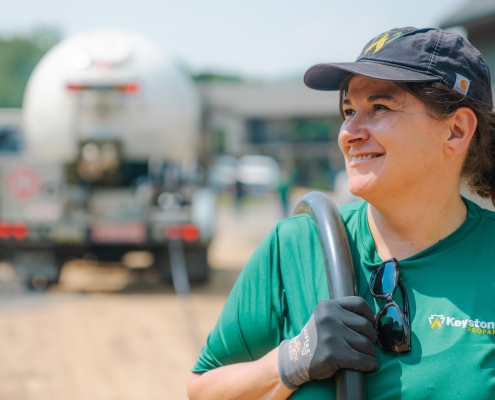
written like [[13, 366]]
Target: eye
[[378, 107], [349, 112]]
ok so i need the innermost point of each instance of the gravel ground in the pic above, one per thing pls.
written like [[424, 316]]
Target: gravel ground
[[116, 334]]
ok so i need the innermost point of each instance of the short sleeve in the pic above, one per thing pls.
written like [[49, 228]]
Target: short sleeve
[[251, 321]]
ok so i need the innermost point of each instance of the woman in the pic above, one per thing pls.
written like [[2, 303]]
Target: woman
[[417, 109]]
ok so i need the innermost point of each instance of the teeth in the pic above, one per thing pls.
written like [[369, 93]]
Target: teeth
[[366, 157]]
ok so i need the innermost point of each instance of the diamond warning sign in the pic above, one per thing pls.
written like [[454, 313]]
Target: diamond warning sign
[[24, 182]]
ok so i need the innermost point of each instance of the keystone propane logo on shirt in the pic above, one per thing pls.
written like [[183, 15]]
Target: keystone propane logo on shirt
[[439, 321]]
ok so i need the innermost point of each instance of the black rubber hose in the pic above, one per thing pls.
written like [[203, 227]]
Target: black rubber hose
[[340, 274]]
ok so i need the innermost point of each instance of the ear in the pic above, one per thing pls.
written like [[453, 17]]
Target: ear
[[462, 126]]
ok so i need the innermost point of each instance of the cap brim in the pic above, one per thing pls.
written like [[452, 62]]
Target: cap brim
[[330, 76]]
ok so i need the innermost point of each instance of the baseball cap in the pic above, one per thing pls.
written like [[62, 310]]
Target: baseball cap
[[413, 55]]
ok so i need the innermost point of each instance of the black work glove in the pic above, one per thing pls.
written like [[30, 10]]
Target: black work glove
[[339, 334]]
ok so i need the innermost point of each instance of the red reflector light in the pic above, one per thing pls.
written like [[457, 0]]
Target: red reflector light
[[18, 231], [133, 88], [4, 230], [190, 233], [74, 88], [173, 232]]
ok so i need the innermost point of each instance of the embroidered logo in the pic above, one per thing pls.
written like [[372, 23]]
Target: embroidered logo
[[382, 40]]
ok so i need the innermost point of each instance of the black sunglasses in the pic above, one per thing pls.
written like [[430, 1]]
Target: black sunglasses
[[391, 323]]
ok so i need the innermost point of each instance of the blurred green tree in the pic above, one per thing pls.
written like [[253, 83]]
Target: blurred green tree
[[19, 54], [216, 77]]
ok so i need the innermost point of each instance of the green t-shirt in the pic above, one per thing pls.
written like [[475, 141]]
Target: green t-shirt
[[451, 290]]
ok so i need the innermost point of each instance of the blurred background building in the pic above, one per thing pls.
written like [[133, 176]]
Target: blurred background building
[[477, 18], [285, 120]]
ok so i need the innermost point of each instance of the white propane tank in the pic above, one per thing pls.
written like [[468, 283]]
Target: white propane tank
[[111, 85]]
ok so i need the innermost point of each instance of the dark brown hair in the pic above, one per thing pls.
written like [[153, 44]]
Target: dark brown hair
[[441, 103]]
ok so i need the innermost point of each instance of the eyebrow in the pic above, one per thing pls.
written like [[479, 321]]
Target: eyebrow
[[374, 97], [380, 96]]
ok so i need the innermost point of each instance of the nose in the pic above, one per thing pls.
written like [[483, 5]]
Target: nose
[[354, 131]]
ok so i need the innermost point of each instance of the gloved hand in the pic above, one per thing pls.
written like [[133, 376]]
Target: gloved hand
[[339, 334]]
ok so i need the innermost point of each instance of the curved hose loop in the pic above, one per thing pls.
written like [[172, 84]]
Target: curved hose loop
[[340, 274]]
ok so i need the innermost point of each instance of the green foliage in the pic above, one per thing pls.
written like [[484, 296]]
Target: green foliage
[[220, 141], [215, 77], [19, 54]]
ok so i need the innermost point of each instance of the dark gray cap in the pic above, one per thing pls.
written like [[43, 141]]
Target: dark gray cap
[[413, 55]]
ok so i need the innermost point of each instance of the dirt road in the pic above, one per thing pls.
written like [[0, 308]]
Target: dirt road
[[114, 334]]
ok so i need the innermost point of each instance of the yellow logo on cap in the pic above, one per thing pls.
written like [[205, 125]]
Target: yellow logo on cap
[[383, 39]]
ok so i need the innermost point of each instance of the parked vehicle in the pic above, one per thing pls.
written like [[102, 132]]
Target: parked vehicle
[[259, 175], [110, 166], [222, 173]]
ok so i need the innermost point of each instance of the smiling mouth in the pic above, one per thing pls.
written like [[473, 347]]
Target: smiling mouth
[[366, 157]]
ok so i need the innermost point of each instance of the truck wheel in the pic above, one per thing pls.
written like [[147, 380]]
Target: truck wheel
[[197, 264], [198, 269], [38, 282], [162, 265], [38, 267]]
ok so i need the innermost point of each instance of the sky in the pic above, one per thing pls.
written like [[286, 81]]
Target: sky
[[271, 39]]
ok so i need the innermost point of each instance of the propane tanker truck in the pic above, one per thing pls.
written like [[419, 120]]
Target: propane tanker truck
[[110, 166]]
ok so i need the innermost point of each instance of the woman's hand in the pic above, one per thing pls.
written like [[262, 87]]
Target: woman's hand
[[339, 334]]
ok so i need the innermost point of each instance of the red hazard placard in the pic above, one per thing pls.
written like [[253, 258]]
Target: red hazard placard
[[24, 182]]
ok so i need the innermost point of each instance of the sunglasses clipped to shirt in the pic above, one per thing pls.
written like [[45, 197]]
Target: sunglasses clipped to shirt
[[391, 323]]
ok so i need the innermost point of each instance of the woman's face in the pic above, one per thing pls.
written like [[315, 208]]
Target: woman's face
[[389, 142]]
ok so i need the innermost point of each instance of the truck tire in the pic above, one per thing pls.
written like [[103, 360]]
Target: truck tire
[[38, 267], [38, 283], [198, 269]]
